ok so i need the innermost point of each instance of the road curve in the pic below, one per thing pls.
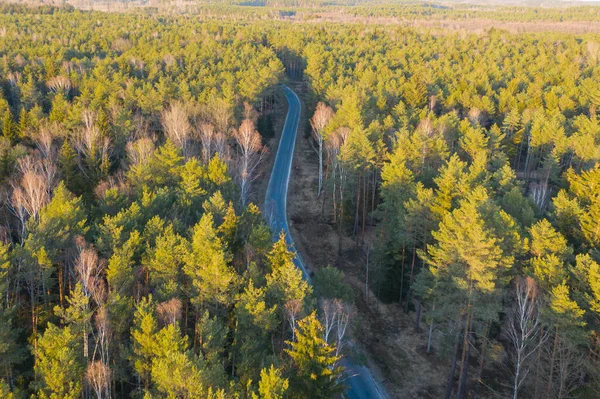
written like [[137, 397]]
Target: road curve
[[359, 380]]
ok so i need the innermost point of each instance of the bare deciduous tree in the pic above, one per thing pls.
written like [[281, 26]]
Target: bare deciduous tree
[[293, 309], [569, 369], [540, 194], [98, 376], [250, 112], [30, 196], [525, 331], [318, 122], [336, 316], [44, 142], [34, 189], [329, 309], [103, 334], [176, 125], [90, 145], [332, 146], [221, 147], [251, 153], [344, 314], [207, 137], [88, 269], [59, 83], [221, 114], [169, 311], [41, 165], [140, 151]]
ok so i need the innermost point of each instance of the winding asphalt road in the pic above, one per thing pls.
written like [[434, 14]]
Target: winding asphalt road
[[359, 380]]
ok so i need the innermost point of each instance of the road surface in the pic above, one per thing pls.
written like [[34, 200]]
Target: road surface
[[359, 380]]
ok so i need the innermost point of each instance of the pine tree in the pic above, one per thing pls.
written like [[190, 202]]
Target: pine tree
[[550, 253], [473, 252], [9, 128], [10, 352], [175, 373], [206, 265], [23, 126], [143, 333], [316, 373], [285, 282], [256, 321], [164, 263], [59, 363], [67, 160], [271, 385]]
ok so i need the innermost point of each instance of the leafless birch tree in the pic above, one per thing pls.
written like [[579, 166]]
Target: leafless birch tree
[[88, 269], [525, 331], [332, 146], [293, 309], [33, 190], [59, 83], [169, 311], [98, 376], [177, 128], [329, 309], [336, 316], [318, 122], [91, 146], [140, 151], [251, 153], [344, 314], [207, 133], [221, 147], [103, 334]]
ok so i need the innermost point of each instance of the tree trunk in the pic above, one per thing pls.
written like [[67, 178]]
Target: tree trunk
[[401, 277], [364, 205], [334, 177], [450, 383], [464, 377], [537, 369], [410, 279], [367, 276], [481, 361], [340, 221], [430, 332], [320, 142], [357, 208], [61, 285], [550, 377], [464, 358], [374, 187], [418, 317]]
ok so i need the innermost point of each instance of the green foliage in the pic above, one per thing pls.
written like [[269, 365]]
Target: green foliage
[[143, 334], [285, 282], [329, 283], [174, 370], [59, 363], [271, 385], [315, 370], [207, 266]]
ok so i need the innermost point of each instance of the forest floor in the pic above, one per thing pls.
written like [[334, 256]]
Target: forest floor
[[385, 335]]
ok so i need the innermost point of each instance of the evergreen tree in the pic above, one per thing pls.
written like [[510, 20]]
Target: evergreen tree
[[206, 265], [316, 373], [143, 333], [59, 363], [271, 385]]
